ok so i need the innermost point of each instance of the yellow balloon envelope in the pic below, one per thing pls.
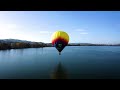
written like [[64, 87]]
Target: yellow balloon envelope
[[60, 39]]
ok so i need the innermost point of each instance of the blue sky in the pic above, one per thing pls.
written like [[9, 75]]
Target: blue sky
[[82, 26]]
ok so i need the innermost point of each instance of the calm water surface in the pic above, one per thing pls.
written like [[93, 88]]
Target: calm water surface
[[75, 62]]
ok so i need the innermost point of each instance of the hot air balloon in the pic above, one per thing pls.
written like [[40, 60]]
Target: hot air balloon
[[59, 40]]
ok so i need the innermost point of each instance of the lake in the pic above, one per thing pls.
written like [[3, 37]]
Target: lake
[[75, 62]]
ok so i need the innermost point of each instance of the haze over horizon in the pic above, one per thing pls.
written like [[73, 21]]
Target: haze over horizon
[[82, 26]]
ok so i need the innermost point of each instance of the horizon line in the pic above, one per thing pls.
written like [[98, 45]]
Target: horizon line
[[50, 42]]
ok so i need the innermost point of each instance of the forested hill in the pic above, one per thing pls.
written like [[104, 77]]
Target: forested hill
[[17, 44]]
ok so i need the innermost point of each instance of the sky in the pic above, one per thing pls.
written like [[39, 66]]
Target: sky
[[81, 26]]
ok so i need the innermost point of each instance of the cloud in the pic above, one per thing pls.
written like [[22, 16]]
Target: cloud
[[45, 32], [10, 31], [11, 26], [80, 30], [8, 26], [83, 33]]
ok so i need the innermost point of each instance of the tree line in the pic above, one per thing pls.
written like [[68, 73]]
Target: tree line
[[19, 45]]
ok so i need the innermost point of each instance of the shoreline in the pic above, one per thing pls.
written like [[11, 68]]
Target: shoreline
[[53, 46], [8, 44]]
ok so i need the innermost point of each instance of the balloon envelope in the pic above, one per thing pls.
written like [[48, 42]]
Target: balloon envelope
[[60, 39]]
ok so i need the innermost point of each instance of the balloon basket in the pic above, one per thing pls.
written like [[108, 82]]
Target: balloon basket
[[59, 53]]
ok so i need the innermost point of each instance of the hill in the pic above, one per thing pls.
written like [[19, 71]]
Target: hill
[[17, 44]]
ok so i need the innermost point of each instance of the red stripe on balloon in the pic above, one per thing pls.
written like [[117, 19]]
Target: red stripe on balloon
[[59, 39]]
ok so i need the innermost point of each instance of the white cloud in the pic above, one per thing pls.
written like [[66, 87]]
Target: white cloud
[[9, 31], [7, 26], [80, 30], [11, 26], [45, 32], [83, 33]]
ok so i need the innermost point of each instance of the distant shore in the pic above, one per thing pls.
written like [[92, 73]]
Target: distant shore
[[21, 44]]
